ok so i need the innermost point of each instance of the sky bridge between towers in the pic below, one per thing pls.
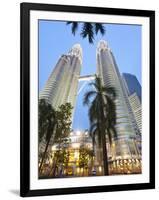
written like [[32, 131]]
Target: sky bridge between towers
[[86, 79]]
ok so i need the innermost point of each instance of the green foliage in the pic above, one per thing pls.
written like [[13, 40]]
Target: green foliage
[[99, 28], [85, 155], [88, 30], [63, 128], [63, 116], [62, 157], [54, 123], [74, 26], [46, 116]]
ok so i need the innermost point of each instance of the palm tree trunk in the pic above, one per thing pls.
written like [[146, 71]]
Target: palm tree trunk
[[105, 153], [46, 147], [54, 167], [105, 156], [44, 154]]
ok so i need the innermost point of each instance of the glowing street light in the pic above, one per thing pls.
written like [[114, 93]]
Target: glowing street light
[[78, 133]]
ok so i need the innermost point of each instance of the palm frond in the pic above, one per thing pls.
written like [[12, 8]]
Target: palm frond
[[99, 28], [93, 112], [110, 91], [110, 110], [74, 27], [87, 97], [96, 84], [102, 111], [87, 31], [92, 127]]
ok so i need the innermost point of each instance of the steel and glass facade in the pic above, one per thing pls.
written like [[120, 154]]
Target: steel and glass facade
[[62, 85], [133, 89], [136, 108], [132, 84]]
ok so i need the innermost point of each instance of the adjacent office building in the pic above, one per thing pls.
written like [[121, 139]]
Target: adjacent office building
[[137, 110], [133, 89], [132, 84]]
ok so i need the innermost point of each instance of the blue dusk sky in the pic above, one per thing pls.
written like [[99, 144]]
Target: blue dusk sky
[[55, 38]]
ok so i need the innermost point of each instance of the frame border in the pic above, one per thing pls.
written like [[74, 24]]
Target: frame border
[[25, 9]]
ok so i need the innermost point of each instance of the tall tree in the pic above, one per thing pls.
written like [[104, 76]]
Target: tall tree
[[88, 30], [102, 115], [42, 118], [63, 116], [47, 122], [63, 129]]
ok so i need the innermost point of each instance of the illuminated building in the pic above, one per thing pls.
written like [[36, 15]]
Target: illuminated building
[[124, 155], [80, 154]]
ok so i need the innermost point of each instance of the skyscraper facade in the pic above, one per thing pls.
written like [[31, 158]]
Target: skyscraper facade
[[62, 85], [133, 89], [124, 148], [132, 84], [137, 110]]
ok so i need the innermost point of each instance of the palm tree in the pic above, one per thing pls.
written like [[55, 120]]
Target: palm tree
[[101, 115], [49, 122], [88, 29]]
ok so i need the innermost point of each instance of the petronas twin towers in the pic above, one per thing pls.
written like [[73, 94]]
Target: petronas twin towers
[[62, 87], [62, 84]]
